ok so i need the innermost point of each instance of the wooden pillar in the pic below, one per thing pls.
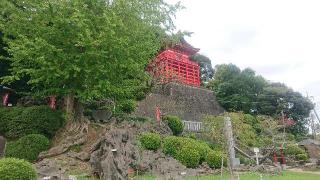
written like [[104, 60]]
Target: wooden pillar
[[187, 74], [194, 75], [179, 72], [198, 75]]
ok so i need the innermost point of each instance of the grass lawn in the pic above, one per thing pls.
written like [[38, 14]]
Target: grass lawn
[[252, 176]]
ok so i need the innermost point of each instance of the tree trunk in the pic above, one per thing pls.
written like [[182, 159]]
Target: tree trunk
[[69, 106], [78, 111]]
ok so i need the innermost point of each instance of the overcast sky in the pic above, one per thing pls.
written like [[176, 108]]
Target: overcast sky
[[279, 39]]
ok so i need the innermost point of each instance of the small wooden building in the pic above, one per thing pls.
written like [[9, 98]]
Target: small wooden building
[[173, 64]]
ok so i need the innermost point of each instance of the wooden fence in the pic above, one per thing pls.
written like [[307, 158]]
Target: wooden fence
[[192, 126]]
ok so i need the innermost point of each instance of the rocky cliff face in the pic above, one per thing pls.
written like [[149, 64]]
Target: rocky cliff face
[[187, 102], [117, 153]]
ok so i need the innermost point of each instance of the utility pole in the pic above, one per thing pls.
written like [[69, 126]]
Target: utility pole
[[230, 145]]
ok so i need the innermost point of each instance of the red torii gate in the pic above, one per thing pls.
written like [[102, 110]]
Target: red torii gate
[[173, 64]]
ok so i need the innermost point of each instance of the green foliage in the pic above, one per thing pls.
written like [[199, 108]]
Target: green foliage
[[242, 131], [171, 145], [150, 141], [31, 120], [174, 123], [238, 90], [189, 157], [126, 106], [293, 149], [27, 147], [7, 115], [302, 157], [214, 159], [202, 148], [16, 169], [206, 70], [93, 49], [244, 160], [190, 135]]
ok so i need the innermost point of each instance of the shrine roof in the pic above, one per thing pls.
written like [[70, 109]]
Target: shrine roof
[[185, 47]]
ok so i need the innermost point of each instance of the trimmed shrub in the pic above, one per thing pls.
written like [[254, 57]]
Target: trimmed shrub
[[150, 141], [214, 159], [171, 145], [203, 150], [7, 114], [302, 157], [16, 169], [188, 157], [293, 150], [27, 147], [174, 123], [35, 120]]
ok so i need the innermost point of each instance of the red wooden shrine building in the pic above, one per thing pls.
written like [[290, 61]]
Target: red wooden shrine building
[[173, 64]]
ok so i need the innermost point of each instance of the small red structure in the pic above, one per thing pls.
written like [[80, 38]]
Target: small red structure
[[52, 102], [158, 115], [5, 94], [173, 64]]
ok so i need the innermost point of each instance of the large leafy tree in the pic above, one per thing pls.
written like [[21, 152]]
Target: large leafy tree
[[277, 98], [4, 64], [206, 70], [20, 86], [238, 90], [85, 49]]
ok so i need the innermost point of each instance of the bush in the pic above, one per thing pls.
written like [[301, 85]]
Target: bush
[[293, 150], [174, 123], [188, 157], [35, 120], [150, 141], [302, 157], [7, 114], [126, 106], [190, 135], [171, 145], [214, 159], [27, 147], [16, 169], [203, 150]]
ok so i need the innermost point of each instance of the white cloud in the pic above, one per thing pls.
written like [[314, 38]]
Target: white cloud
[[280, 39]]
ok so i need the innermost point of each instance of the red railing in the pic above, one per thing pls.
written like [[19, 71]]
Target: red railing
[[172, 66]]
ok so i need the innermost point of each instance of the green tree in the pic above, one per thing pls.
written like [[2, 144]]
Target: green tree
[[238, 90], [84, 49], [277, 98], [206, 70]]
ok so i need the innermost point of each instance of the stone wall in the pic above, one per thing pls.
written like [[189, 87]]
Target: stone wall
[[187, 102]]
